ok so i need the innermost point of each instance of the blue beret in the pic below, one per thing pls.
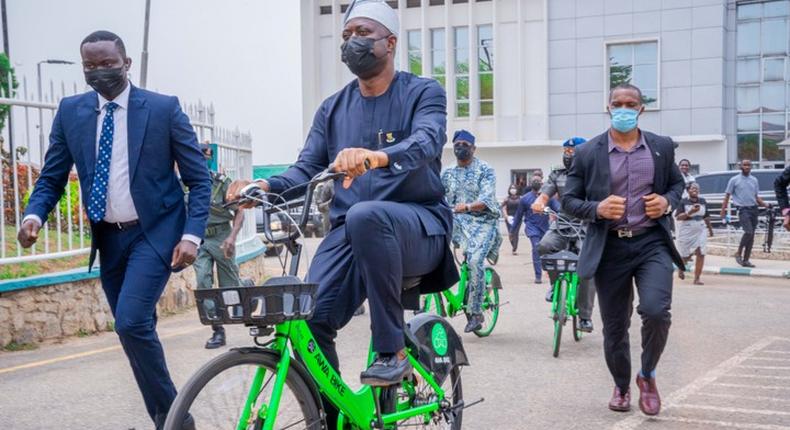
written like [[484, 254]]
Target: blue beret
[[464, 135], [573, 142]]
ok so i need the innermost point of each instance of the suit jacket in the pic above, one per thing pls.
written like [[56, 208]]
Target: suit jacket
[[159, 136], [588, 184]]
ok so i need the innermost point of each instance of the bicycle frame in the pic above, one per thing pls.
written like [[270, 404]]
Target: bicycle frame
[[455, 299], [572, 279], [357, 408]]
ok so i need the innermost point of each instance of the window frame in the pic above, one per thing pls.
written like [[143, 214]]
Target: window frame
[[632, 41], [456, 75], [478, 74], [433, 50]]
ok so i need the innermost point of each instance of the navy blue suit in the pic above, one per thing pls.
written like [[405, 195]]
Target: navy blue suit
[[392, 222], [135, 262]]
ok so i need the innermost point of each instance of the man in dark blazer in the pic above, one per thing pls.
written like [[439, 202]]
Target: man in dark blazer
[[125, 143], [625, 183]]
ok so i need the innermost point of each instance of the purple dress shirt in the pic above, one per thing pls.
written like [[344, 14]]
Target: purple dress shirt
[[631, 176]]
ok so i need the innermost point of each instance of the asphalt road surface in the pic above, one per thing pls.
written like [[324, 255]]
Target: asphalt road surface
[[727, 365]]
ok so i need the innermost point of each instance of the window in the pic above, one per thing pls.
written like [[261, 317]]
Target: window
[[762, 99], [436, 2], [460, 1], [461, 67], [485, 68], [343, 8], [413, 3], [414, 38], [438, 63], [325, 10], [637, 64], [393, 4]]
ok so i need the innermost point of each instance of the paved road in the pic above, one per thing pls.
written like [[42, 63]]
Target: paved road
[[727, 364]]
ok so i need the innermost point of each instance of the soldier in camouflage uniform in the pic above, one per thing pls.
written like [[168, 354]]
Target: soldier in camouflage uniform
[[219, 244], [554, 242]]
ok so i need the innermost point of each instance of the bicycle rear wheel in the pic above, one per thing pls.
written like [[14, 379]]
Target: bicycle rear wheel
[[577, 334], [217, 395], [490, 308], [559, 314], [417, 392]]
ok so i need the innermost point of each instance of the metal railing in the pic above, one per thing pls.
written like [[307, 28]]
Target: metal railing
[[67, 233]]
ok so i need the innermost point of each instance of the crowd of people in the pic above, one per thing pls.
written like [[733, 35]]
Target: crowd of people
[[622, 186]]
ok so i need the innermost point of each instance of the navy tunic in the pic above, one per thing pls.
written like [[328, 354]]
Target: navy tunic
[[392, 222]]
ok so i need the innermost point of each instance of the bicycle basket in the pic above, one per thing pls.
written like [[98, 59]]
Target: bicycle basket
[[276, 301], [561, 262]]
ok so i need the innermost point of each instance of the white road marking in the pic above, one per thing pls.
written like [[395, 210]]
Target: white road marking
[[770, 359], [738, 396], [758, 376], [775, 351], [749, 366], [762, 387], [678, 397], [726, 424], [769, 412]]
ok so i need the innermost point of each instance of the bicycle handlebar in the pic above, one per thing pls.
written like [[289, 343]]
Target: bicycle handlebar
[[565, 223]]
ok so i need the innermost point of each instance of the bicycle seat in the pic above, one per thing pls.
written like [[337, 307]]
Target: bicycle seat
[[411, 282]]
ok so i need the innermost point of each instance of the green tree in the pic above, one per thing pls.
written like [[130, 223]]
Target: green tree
[[623, 74], [8, 86]]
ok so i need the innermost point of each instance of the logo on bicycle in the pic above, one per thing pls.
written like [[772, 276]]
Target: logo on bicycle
[[311, 346], [439, 339]]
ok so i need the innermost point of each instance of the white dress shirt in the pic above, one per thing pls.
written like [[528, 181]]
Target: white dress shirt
[[120, 206]]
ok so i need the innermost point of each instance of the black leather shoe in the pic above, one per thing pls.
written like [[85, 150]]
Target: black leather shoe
[[475, 322], [386, 370], [217, 339], [360, 311], [747, 263], [586, 326], [550, 294], [739, 260]]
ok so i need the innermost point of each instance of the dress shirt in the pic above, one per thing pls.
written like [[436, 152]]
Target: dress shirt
[[631, 176]]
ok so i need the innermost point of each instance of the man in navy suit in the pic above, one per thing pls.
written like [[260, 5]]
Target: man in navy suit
[[625, 183], [125, 142]]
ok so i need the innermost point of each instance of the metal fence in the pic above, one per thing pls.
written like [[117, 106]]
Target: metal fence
[[66, 233]]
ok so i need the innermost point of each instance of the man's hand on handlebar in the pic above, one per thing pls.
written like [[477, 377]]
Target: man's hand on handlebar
[[235, 190], [356, 162]]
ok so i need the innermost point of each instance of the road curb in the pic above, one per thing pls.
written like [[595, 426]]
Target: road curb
[[745, 271]]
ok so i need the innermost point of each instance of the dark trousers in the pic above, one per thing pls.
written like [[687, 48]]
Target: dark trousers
[[512, 236], [368, 256], [646, 261], [535, 240], [747, 216], [133, 277], [554, 242]]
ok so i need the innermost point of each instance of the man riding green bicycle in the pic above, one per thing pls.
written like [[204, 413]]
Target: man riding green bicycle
[[386, 130]]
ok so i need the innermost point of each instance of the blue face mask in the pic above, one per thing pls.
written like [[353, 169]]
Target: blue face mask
[[624, 119]]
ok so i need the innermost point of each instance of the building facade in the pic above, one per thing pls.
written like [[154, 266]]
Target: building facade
[[524, 75]]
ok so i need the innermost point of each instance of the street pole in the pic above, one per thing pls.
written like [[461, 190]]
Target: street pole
[[144, 55], [6, 49]]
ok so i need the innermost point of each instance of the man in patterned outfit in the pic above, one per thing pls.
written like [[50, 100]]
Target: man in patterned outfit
[[470, 189]]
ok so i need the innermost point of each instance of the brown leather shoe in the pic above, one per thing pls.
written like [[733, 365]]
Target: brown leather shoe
[[649, 400], [621, 402]]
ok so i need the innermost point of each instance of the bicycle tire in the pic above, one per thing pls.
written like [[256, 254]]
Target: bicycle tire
[[577, 334], [183, 403], [559, 317], [490, 302], [391, 395]]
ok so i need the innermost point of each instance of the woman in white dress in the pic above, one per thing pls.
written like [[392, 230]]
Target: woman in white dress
[[693, 222]]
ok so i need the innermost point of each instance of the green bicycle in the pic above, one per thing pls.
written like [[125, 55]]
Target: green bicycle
[[285, 380], [457, 301], [562, 266]]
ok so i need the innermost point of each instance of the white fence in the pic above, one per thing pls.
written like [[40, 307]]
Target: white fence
[[67, 232]]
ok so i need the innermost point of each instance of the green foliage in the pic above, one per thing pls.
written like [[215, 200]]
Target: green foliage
[[623, 74], [13, 347], [8, 86], [83, 333], [72, 194], [19, 270]]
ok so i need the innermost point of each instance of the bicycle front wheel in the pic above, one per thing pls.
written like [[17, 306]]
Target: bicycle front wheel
[[234, 391], [490, 308], [559, 314]]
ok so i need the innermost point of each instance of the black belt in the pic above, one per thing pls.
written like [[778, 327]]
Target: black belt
[[120, 226], [745, 207], [627, 233]]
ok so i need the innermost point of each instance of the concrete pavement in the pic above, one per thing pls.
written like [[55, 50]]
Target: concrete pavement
[[727, 364]]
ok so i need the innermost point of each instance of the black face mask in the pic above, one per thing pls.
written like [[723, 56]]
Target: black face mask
[[567, 160], [357, 53], [463, 153], [107, 82], [536, 186]]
